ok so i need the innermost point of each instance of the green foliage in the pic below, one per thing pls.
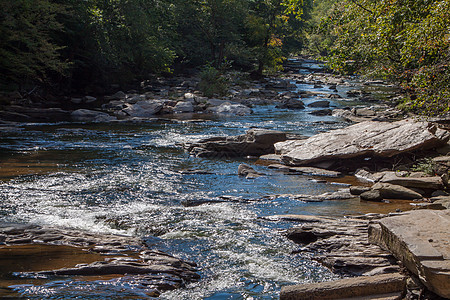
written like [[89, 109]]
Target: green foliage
[[426, 165], [403, 41], [213, 82], [27, 51]]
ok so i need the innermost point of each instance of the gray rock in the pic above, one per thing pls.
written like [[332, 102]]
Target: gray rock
[[420, 240], [392, 191], [321, 112], [183, 107], [435, 182], [89, 99], [381, 139], [249, 172], [292, 104], [255, 142], [76, 100], [322, 103], [85, 115], [118, 96], [358, 190], [144, 109], [372, 195], [386, 286]]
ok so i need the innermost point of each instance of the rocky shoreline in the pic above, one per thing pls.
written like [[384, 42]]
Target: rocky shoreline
[[125, 257]]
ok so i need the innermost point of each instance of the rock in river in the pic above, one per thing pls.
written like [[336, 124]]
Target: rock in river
[[86, 115], [381, 139], [127, 258], [144, 109], [255, 142]]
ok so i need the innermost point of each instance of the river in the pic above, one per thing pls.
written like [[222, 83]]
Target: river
[[127, 178]]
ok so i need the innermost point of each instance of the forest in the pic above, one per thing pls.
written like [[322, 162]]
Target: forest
[[87, 46]]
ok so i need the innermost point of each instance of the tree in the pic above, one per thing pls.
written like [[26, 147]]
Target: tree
[[267, 25], [27, 51], [405, 41]]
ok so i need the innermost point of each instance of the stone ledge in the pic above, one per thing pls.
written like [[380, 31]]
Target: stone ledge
[[365, 287], [420, 239]]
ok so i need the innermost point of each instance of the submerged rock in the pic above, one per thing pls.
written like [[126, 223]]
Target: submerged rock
[[380, 139], [255, 142]]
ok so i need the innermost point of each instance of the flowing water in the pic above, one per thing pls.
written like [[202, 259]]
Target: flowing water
[[127, 178]]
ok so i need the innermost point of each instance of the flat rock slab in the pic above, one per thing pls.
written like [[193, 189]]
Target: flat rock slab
[[421, 240], [387, 286], [307, 170], [381, 139], [127, 257]]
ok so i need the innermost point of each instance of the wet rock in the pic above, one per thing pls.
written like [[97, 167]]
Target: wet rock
[[183, 107], [307, 170], [441, 202], [249, 172], [420, 240], [322, 103], [358, 190], [255, 142], [76, 100], [86, 115], [33, 114], [380, 139], [292, 104], [387, 286], [342, 194], [321, 112], [231, 109], [117, 96], [126, 257], [144, 109], [281, 84], [342, 244], [301, 236], [372, 195], [89, 99]]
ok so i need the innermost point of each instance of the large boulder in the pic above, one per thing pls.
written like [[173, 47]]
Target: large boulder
[[144, 109], [420, 240], [381, 139], [86, 115], [255, 142]]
